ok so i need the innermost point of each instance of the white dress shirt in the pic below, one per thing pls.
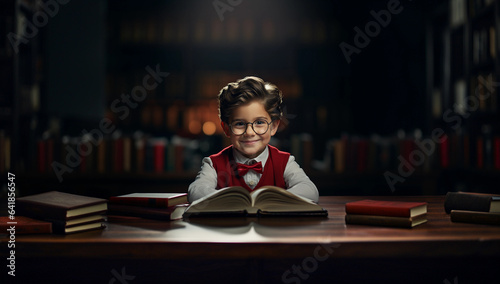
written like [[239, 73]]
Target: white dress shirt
[[296, 180]]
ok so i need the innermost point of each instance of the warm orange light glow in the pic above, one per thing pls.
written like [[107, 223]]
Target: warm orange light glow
[[209, 128]]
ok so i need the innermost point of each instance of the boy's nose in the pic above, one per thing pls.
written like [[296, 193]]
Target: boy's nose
[[250, 131]]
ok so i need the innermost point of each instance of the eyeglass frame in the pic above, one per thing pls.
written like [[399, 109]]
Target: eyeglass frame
[[246, 126]]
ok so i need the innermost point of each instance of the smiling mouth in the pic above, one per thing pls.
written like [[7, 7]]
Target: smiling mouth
[[249, 142]]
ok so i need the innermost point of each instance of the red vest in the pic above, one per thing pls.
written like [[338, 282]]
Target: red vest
[[227, 175]]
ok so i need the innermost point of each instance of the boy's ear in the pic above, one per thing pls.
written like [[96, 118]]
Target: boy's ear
[[275, 125], [226, 129]]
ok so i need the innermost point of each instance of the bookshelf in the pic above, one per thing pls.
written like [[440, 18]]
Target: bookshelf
[[165, 62], [463, 71], [20, 94], [164, 130], [8, 61]]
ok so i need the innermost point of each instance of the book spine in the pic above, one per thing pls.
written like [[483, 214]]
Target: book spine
[[159, 158], [118, 155], [377, 210], [466, 201], [39, 211], [143, 212], [140, 201], [41, 156], [377, 221], [444, 152], [496, 153], [34, 229], [30, 228], [475, 217]]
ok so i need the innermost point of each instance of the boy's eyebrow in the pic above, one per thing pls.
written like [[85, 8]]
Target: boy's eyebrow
[[261, 117]]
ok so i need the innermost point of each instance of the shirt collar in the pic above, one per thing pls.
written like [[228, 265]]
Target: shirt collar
[[239, 158]]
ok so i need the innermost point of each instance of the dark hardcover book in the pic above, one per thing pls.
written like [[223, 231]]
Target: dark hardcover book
[[55, 205], [148, 157], [471, 202], [169, 213], [161, 200], [78, 225], [386, 208], [118, 154], [79, 228], [265, 201], [386, 221], [25, 225], [476, 217], [41, 159], [78, 221]]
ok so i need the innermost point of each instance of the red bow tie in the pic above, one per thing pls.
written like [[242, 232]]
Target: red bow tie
[[243, 169]]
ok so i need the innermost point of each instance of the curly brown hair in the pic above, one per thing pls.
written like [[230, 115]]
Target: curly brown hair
[[246, 90]]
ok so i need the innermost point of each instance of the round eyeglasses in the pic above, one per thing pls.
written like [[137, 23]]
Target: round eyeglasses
[[259, 126]]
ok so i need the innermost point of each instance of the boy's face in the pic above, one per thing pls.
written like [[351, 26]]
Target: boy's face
[[250, 144]]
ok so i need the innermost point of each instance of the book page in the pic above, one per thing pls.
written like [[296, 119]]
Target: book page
[[226, 199], [271, 198]]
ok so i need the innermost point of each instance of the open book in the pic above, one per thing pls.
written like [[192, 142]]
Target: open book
[[268, 200]]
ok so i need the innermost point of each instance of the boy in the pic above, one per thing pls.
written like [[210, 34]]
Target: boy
[[250, 113]]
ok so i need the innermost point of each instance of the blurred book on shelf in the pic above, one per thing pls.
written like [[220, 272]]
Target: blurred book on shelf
[[137, 153]]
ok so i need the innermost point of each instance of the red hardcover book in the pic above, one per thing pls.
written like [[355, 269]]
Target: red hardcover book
[[159, 157], [161, 200], [386, 208], [466, 150], [444, 153], [480, 152], [496, 152], [169, 213], [406, 147], [388, 221], [25, 225]]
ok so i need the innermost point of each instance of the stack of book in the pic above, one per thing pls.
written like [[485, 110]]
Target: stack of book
[[386, 213], [467, 207], [158, 206], [68, 213]]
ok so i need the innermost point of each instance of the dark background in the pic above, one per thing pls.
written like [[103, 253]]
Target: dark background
[[89, 53]]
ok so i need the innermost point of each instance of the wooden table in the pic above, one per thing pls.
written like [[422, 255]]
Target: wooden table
[[273, 250]]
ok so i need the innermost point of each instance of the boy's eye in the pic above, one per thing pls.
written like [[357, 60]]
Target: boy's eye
[[260, 122], [239, 124]]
